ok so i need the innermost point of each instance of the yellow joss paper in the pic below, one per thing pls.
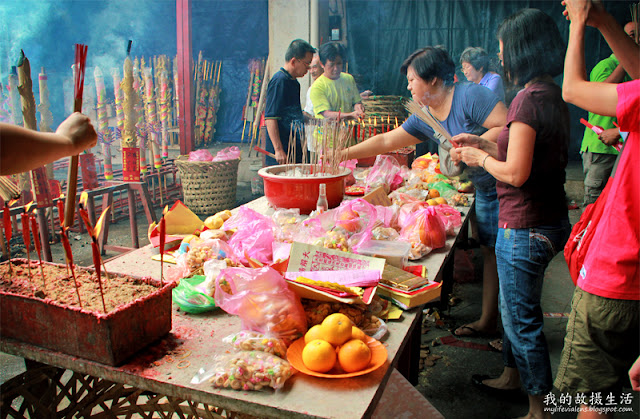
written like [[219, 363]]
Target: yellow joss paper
[[181, 220]]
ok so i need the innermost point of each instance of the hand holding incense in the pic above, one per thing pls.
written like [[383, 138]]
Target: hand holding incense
[[72, 177]]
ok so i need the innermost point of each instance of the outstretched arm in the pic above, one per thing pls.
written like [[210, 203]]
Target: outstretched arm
[[599, 98], [23, 149]]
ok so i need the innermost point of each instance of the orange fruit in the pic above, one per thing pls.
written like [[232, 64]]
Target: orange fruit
[[432, 201], [312, 334], [357, 333], [434, 193], [441, 200], [336, 328], [354, 355], [318, 355]]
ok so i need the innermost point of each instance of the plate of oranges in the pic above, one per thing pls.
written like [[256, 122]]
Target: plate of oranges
[[336, 349]]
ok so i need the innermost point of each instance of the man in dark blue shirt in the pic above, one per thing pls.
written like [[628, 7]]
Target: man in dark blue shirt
[[283, 111]]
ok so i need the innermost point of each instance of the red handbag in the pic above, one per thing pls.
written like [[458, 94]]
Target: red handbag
[[582, 233]]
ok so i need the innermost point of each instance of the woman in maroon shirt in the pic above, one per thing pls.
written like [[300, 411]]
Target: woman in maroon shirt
[[528, 162]]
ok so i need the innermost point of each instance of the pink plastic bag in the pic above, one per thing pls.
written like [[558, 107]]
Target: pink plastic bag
[[254, 235], [200, 155], [357, 217], [451, 218], [262, 300], [229, 153], [351, 165], [425, 226], [385, 172]]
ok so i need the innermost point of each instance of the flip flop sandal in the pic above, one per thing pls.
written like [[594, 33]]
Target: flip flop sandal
[[474, 333], [496, 345]]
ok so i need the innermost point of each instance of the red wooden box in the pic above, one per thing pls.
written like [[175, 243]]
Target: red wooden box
[[108, 338]]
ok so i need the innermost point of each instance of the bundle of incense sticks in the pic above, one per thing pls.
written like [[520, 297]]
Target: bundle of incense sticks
[[8, 189], [331, 138], [635, 8], [426, 117]]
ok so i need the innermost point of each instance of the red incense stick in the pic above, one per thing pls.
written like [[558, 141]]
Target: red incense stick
[[72, 176], [36, 244]]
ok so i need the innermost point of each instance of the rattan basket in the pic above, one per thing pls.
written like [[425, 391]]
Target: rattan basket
[[208, 187]]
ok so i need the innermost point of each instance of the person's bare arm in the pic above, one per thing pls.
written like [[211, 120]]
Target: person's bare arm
[[495, 122], [381, 143], [23, 149], [616, 76], [274, 136], [517, 168], [343, 116], [599, 98], [610, 136]]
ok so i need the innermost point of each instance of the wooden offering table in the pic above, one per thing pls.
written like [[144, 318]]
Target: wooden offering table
[[159, 377]]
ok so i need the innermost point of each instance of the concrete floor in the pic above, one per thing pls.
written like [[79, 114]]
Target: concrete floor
[[447, 383]]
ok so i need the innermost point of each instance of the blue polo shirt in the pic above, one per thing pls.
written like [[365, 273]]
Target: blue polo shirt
[[283, 105], [470, 107]]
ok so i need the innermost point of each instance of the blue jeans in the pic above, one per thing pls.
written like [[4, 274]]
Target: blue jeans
[[487, 207], [522, 256]]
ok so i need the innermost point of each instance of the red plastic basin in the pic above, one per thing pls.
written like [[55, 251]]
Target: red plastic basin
[[300, 192]]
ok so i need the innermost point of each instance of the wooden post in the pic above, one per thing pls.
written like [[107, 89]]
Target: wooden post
[[185, 66]]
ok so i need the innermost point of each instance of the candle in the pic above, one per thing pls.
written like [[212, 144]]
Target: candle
[[104, 133], [164, 112], [150, 112], [130, 99]]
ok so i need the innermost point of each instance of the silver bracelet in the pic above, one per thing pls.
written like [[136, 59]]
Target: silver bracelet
[[484, 161]]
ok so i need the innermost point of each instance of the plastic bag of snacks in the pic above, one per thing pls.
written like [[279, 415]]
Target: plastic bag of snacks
[[263, 301], [386, 173], [253, 237], [246, 370], [248, 340]]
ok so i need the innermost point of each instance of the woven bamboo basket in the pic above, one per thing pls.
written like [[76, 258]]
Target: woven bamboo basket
[[208, 187]]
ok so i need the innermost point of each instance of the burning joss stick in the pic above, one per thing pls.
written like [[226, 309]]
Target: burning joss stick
[[69, 259], [94, 233], [162, 227], [6, 218], [36, 244], [26, 238]]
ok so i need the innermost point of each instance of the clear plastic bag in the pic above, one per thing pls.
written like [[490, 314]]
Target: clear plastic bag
[[385, 172], [246, 370], [263, 301], [248, 340]]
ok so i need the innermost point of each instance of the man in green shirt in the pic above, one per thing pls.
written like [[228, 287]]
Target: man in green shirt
[[598, 153]]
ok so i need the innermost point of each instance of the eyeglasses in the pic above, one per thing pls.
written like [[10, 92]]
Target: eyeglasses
[[306, 63]]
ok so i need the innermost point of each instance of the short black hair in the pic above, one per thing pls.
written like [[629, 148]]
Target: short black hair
[[298, 48], [531, 46], [429, 63], [330, 51], [477, 57]]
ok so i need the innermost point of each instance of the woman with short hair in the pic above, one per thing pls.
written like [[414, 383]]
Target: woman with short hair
[[476, 66]]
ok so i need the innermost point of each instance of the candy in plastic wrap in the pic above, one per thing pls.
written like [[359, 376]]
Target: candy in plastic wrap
[[248, 340], [246, 370]]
